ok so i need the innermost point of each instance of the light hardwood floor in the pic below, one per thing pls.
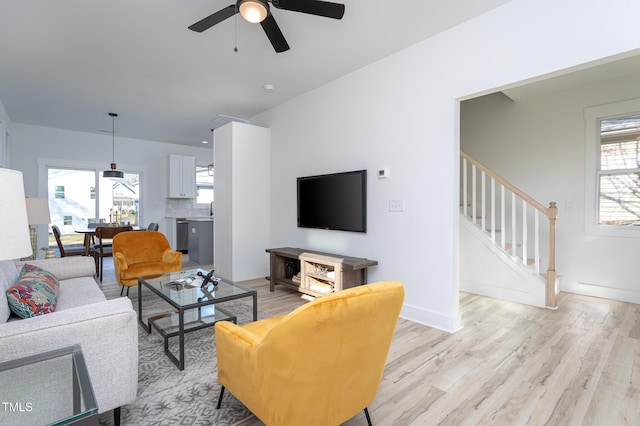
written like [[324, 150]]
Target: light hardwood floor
[[510, 364]]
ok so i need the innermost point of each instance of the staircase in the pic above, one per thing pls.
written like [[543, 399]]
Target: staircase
[[504, 243]]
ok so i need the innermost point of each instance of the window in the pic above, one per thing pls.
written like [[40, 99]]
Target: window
[[204, 184], [78, 197], [612, 184], [122, 198], [619, 173]]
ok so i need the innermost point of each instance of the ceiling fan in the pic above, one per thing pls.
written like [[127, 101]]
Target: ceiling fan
[[257, 11]]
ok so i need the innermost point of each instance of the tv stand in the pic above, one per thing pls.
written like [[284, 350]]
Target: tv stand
[[320, 273]]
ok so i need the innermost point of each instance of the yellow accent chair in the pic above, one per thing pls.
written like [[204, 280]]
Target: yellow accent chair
[[319, 365], [141, 253]]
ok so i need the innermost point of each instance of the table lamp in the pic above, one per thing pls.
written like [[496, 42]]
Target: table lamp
[[14, 229], [37, 214]]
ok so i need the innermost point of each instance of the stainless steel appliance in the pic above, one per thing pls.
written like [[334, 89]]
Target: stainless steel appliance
[[182, 235]]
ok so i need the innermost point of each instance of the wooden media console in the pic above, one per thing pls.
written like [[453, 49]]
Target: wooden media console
[[320, 273]]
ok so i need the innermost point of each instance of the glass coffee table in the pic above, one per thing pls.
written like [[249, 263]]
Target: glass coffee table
[[51, 388], [194, 307]]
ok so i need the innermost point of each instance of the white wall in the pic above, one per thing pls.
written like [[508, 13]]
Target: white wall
[[241, 210], [402, 113], [30, 143], [486, 269], [539, 144]]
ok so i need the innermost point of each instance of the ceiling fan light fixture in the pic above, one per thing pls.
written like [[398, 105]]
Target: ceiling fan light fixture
[[253, 11], [113, 173]]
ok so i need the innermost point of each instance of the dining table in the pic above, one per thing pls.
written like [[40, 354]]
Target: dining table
[[89, 233]]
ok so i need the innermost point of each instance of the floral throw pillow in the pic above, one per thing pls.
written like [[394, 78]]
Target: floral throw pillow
[[35, 292]]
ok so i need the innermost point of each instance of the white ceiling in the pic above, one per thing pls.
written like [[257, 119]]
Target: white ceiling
[[68, 63]]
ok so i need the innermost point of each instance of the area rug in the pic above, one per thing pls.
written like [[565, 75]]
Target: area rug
[[168, 396]]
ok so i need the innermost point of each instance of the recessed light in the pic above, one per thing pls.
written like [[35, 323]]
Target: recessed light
[[268, 87], [205, 141]]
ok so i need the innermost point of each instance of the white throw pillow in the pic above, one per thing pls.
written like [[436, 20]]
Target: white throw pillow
[[8, 277]]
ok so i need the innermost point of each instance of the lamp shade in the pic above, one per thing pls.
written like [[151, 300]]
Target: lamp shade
[[14, 227], [38, 211]]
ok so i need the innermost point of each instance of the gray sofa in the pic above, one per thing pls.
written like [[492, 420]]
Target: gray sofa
[[106, 330]]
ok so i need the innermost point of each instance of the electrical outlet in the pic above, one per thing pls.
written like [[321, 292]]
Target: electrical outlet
[[396, 205]]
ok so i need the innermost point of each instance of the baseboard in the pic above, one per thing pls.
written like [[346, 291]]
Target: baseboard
[[596, 290], [430, 318], [518, 295]]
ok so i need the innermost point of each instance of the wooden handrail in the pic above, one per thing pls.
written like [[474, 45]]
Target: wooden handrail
[[507, 184]]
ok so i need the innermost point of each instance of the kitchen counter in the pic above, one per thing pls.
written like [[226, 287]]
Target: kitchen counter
[[200, 219]]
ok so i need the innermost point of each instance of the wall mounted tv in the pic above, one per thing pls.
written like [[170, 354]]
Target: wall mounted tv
[[335, 201]]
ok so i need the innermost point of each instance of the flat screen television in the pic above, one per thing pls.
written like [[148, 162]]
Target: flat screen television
[[335, 201]]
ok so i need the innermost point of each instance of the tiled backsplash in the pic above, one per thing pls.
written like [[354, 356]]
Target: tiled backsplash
[[177, 207]]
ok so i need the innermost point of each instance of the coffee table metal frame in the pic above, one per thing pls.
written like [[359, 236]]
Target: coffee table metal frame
[[223, 292]]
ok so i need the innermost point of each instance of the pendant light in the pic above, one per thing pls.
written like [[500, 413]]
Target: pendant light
[[113, 173]]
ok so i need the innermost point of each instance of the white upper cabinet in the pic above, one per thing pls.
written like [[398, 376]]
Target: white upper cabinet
[[182, 176]]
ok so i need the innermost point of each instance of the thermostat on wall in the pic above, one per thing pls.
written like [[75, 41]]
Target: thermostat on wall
[[383, 173]]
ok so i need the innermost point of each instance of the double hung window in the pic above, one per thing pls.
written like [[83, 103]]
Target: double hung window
[[619, 171], [612, 190]]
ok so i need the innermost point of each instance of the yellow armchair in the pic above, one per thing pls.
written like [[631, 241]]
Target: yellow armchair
[[319, 365], [140, 253]]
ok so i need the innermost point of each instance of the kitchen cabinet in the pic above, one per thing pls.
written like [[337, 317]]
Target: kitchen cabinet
[[182, 176], [200, 241]]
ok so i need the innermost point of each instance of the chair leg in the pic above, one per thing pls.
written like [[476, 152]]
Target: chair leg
[[122, 289], [220, 397], [366, 413], [116, 416], [128, 287], [101, 267]]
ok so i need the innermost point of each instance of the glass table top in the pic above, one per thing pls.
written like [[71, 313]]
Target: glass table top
[[183, 288]]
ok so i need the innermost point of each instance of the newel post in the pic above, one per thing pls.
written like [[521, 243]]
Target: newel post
[[552, 214]]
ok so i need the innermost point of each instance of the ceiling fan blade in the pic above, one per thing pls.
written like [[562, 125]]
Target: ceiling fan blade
[[214, 19], [312, 7], [272, 30]]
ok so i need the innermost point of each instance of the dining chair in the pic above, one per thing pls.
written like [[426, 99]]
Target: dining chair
[[153, 226], [95, 225], [70, 249], [103, 246]]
